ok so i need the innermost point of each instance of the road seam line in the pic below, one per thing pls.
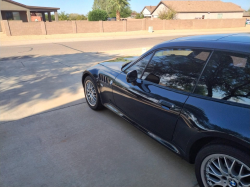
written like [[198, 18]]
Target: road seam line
[[69, 47]]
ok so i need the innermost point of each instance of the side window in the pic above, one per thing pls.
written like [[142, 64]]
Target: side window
[[176, 68], [140, 65], [226, 77]]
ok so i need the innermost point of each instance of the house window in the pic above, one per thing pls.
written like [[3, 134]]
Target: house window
[[9, 15], [16, 15], [12, 15], [219, 16]]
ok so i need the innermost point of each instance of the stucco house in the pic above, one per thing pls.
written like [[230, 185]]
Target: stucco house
[[200, 9], [147, 11], [12, 10]]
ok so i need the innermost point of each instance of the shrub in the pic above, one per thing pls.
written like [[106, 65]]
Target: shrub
[[96, 15], [74, 16], [63, 16], [167, 14], [139, 16]]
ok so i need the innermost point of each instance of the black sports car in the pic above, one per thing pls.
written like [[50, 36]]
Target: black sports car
[[192, 95]]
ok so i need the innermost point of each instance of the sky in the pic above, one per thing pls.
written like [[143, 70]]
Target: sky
[[84, 6]]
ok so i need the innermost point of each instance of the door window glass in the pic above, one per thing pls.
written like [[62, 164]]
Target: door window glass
[[176, 68], [16, 16], [139, 66], [226, 77]]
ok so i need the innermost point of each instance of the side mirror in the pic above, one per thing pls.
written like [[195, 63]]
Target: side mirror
[[131, 76]]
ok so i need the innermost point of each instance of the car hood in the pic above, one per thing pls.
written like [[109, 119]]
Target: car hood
[[119, 62]]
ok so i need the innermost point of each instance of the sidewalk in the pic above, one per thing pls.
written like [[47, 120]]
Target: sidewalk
[[34, 39]]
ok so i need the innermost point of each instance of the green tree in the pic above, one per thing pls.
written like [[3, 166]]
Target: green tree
[[100, 4], [167, 14], [139, 16], [125, 12], [52, 17], [74, 16], [63, 16], [117, 6], [96, 15]]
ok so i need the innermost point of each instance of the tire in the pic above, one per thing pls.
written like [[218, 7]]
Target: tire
[[92, 97], [208, 174]]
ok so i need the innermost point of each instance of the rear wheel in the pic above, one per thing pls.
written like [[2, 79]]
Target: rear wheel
[[222, 166], [91, 94]]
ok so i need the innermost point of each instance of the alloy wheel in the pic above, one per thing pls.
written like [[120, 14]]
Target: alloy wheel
[[90, 93], [219, 170]]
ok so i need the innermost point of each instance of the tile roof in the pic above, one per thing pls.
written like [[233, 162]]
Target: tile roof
[[30, 7], [203, 6], [150, 8]]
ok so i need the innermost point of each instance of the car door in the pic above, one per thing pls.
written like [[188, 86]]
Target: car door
[[165, 79], [221, 99]]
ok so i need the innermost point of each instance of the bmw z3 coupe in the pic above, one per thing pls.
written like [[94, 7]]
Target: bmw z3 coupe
[[190, 94]]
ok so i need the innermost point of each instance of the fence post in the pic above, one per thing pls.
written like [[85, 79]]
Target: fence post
[[7, 28], [74, 26], [125, 26], [144, 24], [43, 27], [2, 26], [101, 25]]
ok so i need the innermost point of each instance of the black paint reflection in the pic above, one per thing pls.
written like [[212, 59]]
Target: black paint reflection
[[226, 77], [178, 69], [139, 66], [207, 115]]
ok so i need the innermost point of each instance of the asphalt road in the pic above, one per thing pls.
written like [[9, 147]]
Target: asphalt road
[[81, 46], [50, 137]]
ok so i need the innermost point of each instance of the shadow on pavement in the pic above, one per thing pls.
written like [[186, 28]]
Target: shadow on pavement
[[31, 84]]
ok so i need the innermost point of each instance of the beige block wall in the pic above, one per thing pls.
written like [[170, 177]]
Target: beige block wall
[[3, 27], [112, 26], [185, 24], [60, 27], [87, 26], [156, 24], [18, 28], [200, 23], [172, 24], [239, 22], [134, 25], [214, 23], [226, 23]]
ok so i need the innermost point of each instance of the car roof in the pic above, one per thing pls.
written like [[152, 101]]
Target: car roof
[[239, 42]]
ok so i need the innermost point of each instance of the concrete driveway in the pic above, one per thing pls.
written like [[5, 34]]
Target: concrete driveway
[[50, 137]]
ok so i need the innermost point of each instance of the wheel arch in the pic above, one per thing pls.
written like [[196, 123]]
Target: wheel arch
[[229, 140], [85, 74]]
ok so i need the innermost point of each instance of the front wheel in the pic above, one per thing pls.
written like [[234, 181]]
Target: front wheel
[[222, 166], [91, 94]]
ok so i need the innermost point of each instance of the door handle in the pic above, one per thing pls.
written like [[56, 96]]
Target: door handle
[[166, 104]]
